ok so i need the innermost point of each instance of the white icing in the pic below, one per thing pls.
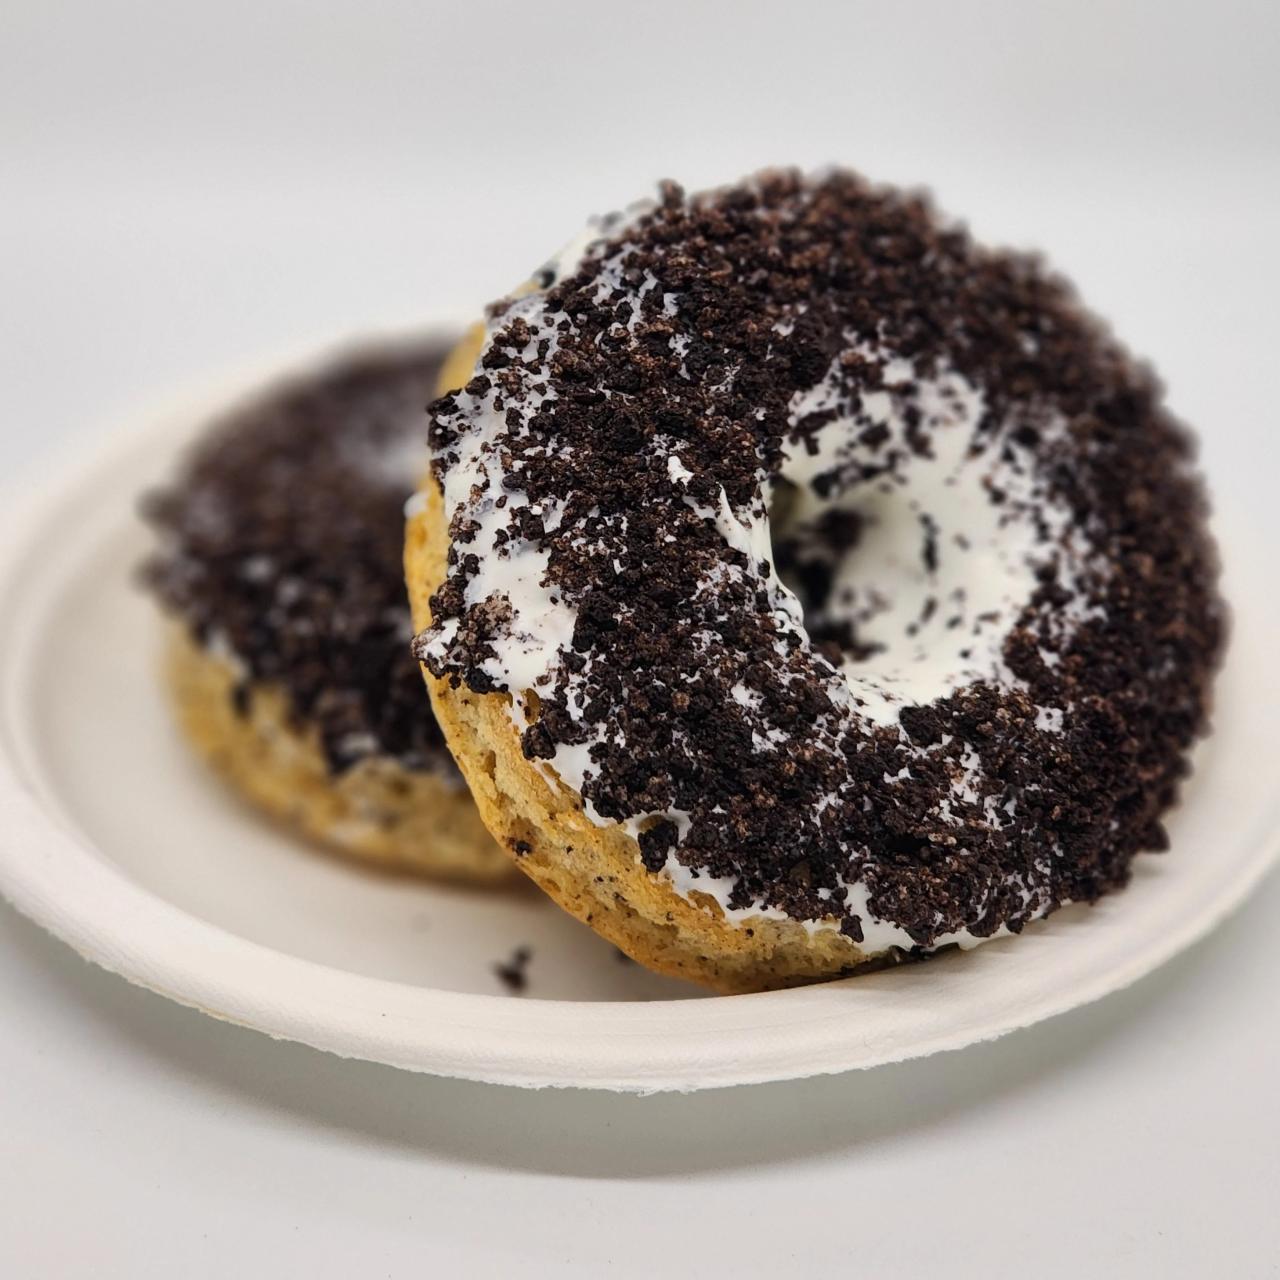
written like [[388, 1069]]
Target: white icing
[[218, 646], [396, 455], [877, 935], [541, 623], [572, 255], [679, 473], [943, 626], [352, 745], [400, 462]]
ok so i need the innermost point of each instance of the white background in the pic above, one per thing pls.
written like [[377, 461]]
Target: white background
[[186, 188]]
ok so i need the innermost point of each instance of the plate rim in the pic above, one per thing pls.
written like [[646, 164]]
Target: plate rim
[[53, 874]]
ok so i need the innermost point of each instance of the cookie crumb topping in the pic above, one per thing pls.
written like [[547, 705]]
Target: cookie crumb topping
[[855, 568], [282, 546]]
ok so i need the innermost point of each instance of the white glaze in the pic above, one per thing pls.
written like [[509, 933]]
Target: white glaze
[[986, 554]]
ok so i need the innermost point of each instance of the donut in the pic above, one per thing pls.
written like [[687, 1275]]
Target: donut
[[287, 659], [802, 586]]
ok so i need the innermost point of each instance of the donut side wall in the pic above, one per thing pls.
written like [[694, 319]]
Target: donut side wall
[[379, 811]]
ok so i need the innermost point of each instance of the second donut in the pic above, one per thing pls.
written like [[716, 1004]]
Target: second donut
[[288, 659]]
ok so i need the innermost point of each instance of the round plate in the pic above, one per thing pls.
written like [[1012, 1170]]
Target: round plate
[[114, 839]]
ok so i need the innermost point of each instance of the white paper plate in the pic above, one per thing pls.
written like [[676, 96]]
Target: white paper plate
[[114, 839]]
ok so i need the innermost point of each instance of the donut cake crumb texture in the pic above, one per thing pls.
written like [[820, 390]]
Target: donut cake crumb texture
[[288, 655], [801, 583]]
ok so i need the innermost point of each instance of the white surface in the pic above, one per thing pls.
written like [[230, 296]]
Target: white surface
[[187, 189], [172, 884]]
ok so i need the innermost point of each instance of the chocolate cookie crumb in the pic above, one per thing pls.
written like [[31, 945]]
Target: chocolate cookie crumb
[[514, 972]]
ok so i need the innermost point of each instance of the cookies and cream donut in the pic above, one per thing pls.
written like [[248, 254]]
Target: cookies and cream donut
[[289, 662], [801, 583]]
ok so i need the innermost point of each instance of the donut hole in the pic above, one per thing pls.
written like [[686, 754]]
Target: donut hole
[[911, 579], [808, 557]]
